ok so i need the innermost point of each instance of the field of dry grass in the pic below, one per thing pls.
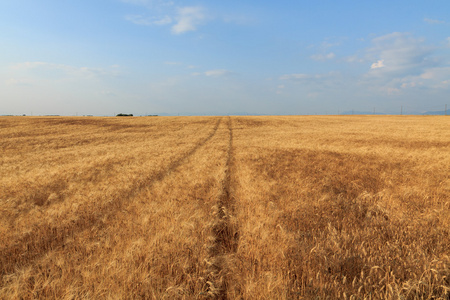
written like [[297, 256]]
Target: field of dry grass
[[320, 207]]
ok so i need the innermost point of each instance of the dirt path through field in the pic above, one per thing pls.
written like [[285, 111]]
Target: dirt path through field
[[224, 231]]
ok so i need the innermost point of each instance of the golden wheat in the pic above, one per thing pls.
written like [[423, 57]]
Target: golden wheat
[[225, 207], [336, 207]]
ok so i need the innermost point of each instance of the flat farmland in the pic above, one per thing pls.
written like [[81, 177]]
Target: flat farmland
[[295, 207]]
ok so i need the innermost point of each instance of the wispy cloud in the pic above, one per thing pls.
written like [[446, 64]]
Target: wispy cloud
[[280, 89], [403, 63], [399, 54], [173, 63], [163, 21], [296, 76], [323, 57], [433, 21], [323, 50], [180, 64], [137, 2], [214, 73], [354, 59], [163, 13], [188, 19], [218, 73], [139, 20], [30, 65], [438, 77], [313, 83], [378, 64], [398, 65], [152, 4], [67, 70], [180, 18], [148, 21], [239, 19], [306, 77]]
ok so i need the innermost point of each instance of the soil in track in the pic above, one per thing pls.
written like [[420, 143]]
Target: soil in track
[[224, 232], [27, 249]]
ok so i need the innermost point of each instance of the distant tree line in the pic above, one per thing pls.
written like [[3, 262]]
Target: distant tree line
[[124, 115]]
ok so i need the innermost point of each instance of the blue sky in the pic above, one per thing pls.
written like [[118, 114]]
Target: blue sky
[[102, 57]]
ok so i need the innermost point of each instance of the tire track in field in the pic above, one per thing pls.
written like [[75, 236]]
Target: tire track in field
[[224, 232], [60, 184], [34, 245]]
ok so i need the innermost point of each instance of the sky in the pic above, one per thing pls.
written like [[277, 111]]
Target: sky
[[182, 57]]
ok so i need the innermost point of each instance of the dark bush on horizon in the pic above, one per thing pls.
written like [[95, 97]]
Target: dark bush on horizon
[[124, 115]]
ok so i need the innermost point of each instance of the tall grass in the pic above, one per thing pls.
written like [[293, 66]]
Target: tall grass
[[241, 208], [343, 207]]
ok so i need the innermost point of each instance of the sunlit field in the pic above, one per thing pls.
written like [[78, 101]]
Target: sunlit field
[[298, 207]]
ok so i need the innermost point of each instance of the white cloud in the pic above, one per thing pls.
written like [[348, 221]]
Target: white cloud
[[152, 4], [404, 66], [58, 70], [323, 57], [30, 65], [214, 73], [313, 83], [398, 65], [163, 21], [378, 64], [173, 63], [326, 44], [295, 76], [435, 77], [188, 19], [409, 85], [182, 19], [429, 74], [304, 77], [180, 64], [218, 73], [431, 79], [433, 21], [138, 20], [239, 19], [354, 59], [148, 21], [280, 89], [136, 2], [398, 55], [391, 90]]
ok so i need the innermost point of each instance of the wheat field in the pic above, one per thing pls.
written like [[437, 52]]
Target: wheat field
[[280, 207]]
